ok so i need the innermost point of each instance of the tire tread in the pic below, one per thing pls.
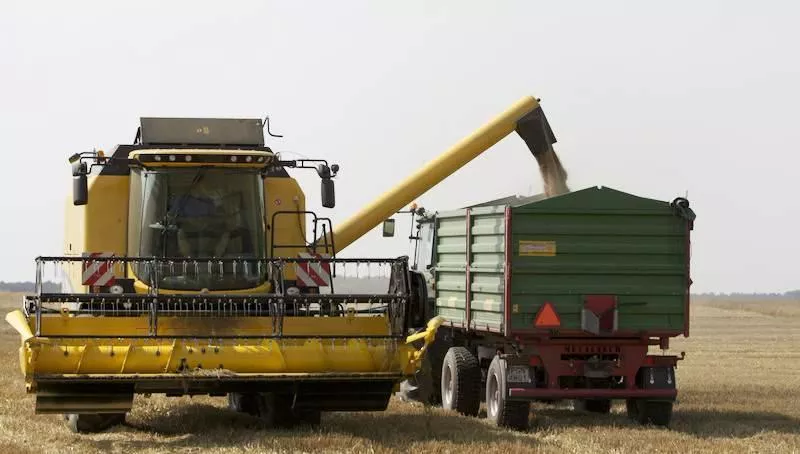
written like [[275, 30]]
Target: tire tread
[[513, 414], [467, 387]]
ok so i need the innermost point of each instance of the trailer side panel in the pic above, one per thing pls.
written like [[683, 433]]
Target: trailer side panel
[[607, 262]]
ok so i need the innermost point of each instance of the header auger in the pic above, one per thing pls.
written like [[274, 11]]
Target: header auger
[[188, 269]]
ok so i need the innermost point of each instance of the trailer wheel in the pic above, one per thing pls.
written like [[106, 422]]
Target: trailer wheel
[[500, 410], [594, 405], [654, 412], [461, 382], [92, 422]]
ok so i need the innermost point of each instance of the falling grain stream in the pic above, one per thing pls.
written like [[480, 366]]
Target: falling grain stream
[[553, 173]]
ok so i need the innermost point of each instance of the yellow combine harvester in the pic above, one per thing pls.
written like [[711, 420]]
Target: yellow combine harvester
[[191, 266]]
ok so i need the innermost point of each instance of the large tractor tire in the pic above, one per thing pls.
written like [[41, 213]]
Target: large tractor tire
[[93, 422], [461, 382], [656, 412], [499, 409], [594, 405], [648, 411]]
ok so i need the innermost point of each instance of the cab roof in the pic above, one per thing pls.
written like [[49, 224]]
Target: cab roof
[[201, 131]]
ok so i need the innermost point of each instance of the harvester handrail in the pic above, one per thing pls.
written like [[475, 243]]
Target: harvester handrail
[[273, 302], [238, 336], [218, 259]]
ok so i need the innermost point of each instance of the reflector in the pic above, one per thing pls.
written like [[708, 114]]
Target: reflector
[[547, 317]]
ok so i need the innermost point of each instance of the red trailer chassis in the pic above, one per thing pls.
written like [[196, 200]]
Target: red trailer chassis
[[547, 365], [585, 368]]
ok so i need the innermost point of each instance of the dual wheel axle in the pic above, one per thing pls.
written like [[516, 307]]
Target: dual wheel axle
[[462, 387]]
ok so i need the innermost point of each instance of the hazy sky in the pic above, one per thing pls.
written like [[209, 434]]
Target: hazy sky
[[652, 98]]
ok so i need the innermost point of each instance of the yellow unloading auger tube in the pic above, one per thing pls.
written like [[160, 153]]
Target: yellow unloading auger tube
[[525, 117]]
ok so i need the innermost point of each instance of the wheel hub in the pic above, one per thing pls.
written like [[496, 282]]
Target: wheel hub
[[493, 396], [448, 385]]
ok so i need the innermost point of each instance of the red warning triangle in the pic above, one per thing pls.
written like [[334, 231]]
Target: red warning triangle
[[547, 317]]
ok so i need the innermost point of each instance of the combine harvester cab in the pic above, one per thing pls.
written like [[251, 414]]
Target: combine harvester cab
[[187, 271], [556, 298]]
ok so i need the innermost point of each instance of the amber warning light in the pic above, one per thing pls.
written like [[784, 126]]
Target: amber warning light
[[547, 317]]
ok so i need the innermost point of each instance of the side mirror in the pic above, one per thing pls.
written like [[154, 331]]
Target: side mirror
[[328, 193], [80, 186], [388, 228]]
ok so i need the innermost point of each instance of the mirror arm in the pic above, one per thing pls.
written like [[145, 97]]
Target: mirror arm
[[330, 170], [325, 172], [80, 172], [78, 161]]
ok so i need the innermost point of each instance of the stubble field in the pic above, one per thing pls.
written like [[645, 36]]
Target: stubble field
[[739, 391]]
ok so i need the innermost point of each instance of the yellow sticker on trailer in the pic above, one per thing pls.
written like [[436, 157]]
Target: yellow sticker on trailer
[[528, 248]]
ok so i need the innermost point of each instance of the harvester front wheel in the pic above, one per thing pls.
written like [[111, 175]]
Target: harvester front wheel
[[92, 422], [500, 410], [310, 417], [273, 410], [461, 382], [243, 403]]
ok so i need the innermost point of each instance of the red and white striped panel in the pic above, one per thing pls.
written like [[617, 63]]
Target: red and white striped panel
[[313, 274], [97, 272]]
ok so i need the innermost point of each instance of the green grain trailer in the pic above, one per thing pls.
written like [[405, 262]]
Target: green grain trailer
[[556, 299]]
